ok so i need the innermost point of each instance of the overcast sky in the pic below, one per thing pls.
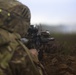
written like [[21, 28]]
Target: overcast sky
[[52, 11]]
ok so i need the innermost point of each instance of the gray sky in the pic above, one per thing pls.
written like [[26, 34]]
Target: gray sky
[[52, 11]]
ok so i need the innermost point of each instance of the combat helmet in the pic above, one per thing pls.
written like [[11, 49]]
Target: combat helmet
[[14, 16]]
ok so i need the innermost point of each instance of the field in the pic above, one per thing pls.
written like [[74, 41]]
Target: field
[[67, 43], [61, 60]]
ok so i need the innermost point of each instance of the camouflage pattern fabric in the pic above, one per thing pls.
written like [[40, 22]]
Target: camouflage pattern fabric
[[17, 18], [14, 60]]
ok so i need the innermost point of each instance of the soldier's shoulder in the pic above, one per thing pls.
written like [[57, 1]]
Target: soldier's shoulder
[[3, 37], [6, 36]]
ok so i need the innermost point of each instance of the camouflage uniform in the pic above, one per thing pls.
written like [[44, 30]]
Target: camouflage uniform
[[15, 58]]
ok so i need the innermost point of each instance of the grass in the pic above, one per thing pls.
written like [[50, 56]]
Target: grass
[[66, 43]]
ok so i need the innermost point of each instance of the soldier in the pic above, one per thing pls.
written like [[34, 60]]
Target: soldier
[[15, 58]]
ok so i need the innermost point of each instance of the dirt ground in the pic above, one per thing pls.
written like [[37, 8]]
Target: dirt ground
[[58, 63]]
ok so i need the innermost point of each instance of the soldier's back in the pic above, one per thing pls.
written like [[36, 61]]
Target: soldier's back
[[14, 59], [7, 47]]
